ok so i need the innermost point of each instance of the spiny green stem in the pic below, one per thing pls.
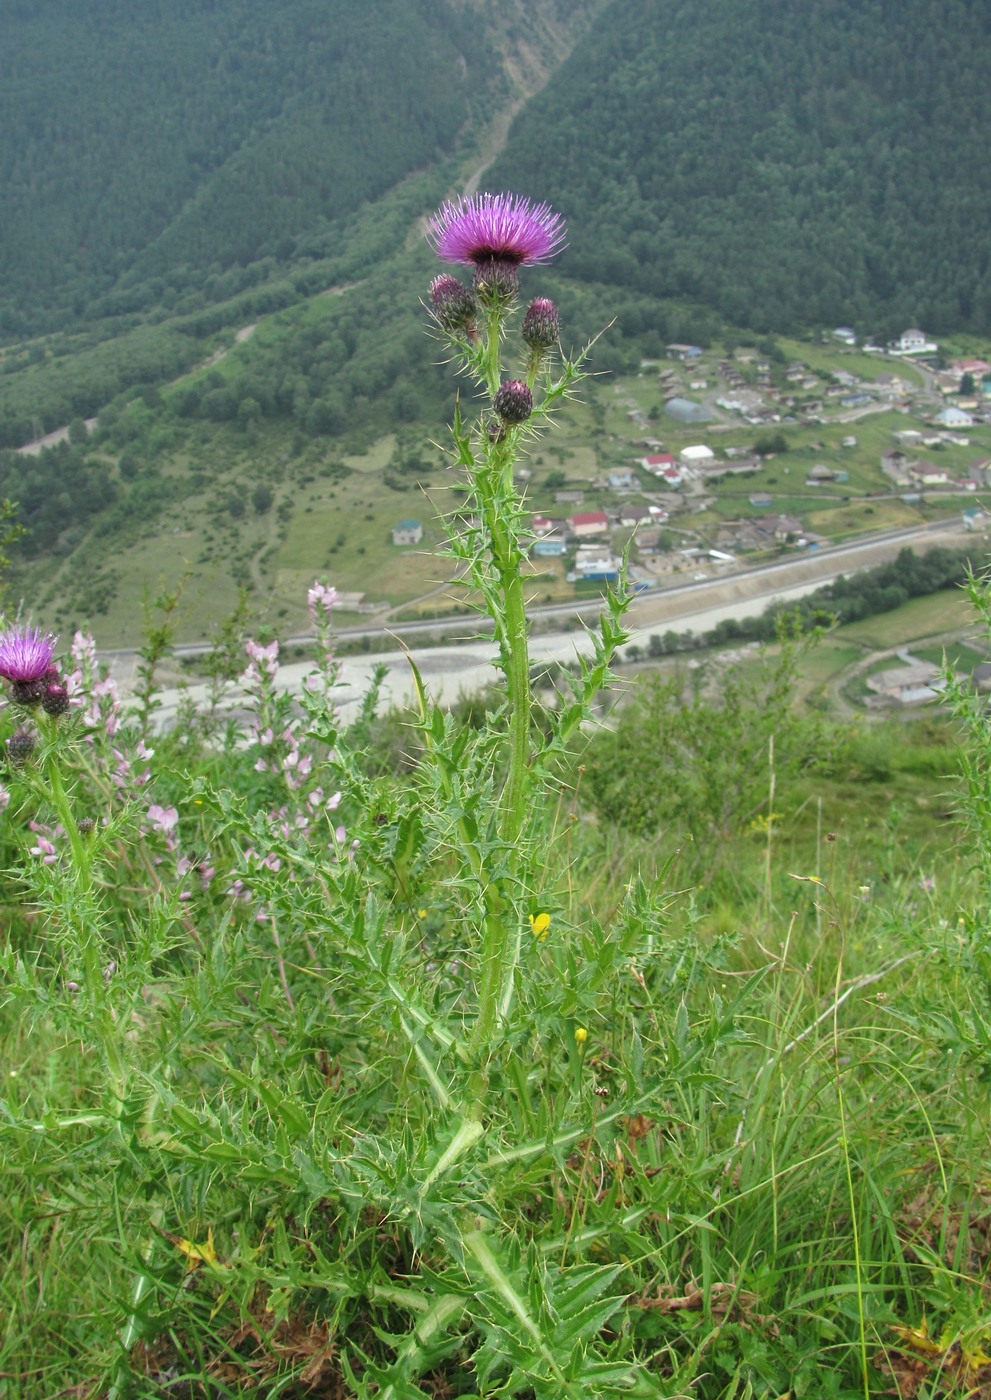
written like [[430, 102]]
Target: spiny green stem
[[59, 799]]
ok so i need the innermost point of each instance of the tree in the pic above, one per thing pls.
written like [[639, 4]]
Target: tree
[[261, 498]]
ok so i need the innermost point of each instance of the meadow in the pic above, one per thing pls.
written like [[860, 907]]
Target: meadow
[[532, 1047]]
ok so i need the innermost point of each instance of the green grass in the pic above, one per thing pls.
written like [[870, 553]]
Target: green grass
[[919, 618]]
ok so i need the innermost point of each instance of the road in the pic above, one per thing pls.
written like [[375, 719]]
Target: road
[[464, 664]]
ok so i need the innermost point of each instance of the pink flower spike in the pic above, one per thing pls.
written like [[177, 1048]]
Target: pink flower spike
[[162, 818]]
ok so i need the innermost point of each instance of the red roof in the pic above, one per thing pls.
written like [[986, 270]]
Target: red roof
[[664, 460], [594, 517]]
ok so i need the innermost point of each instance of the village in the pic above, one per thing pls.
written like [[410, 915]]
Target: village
[[745, 456]]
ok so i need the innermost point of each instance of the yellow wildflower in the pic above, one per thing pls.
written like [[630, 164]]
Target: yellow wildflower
[[540, 923], [581, 1035]]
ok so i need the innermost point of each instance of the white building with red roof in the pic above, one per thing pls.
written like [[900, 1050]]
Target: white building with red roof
[[591, 522], [657, 463]]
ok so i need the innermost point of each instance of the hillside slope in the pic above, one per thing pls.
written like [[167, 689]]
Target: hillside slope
[[147, 150], [788, 165]]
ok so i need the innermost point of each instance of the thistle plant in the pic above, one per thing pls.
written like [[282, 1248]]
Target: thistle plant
[[496, 235]]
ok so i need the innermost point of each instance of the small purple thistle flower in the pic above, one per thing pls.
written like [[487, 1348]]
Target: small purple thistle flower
[[501, 228], [25, 655], [513, 401]]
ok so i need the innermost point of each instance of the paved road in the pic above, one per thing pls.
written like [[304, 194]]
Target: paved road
[[465, 664]]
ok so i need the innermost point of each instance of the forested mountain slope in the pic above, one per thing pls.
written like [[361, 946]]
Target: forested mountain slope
[[146, 148], [787, 164]]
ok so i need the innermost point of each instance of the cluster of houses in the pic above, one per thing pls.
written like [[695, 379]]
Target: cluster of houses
[[695, 463], [906, 465], [806, 395], [588, 534]]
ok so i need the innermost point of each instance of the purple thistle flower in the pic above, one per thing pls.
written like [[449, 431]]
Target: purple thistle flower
[[25, 655], [502, 228]]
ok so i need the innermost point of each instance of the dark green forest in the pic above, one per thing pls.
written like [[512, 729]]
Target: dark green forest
[[147, 150], [174, 174], [787, 164]]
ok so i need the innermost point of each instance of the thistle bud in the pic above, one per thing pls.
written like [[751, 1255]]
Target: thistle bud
[[20, 747], [453, 304], [496, 281], [27, 692], [541, 326], [513, 401], [55, 700]]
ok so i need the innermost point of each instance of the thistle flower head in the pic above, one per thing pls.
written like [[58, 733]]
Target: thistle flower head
[[25, 655], [502, 228]]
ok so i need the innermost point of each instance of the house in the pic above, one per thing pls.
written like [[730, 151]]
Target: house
[[697, 456], [623, 480], [928, 473], [683, 352], [914, 342], [594, 562], [776, 527], [895, 466], [630, 515], [845, 334], [761, 500], [954, 418], [593, 522], [657, 462], [820, 475], [907, 685], [550, 547], [407, 532]]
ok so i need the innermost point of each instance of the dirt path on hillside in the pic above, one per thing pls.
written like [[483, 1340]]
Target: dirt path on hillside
[[529, 64]]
